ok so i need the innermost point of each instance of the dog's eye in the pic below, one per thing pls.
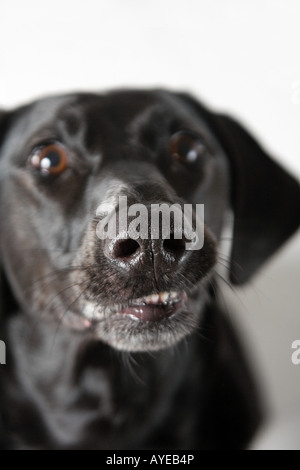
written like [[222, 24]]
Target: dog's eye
[[50, 159], [186, 147]]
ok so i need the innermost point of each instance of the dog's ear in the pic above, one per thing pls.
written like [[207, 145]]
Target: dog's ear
[[3, 123], [5, 118], [2, 132], [265, 197], [7, 301]]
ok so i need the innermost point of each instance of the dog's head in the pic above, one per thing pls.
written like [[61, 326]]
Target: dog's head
[[68, 163]]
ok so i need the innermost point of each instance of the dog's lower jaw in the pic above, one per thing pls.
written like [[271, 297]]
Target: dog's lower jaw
[[135, 332], [126, 334]]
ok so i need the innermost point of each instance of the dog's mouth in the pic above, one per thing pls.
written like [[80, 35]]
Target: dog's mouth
[[148, 323], [151, 308], [155, 307]]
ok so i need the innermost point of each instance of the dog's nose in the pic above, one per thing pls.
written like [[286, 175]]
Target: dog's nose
[[165, 252]]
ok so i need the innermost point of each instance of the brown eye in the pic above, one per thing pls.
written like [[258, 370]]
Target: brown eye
[[187, 147], [51, 159]]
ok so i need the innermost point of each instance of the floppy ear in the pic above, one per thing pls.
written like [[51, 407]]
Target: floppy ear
[[265, 197], [4, 123], [7, 302]]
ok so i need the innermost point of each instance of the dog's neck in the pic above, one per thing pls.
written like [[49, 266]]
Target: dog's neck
[[61, 375]]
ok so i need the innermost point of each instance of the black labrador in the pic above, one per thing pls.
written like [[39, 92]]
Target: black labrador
[[120, 342]]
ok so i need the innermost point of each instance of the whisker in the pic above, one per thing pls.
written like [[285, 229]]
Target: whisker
[[64, 314], [51, 300], [59, 271], [132, 366], [228, 284]]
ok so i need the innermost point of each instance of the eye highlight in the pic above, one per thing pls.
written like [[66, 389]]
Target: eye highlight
[[187, 147], [51, 159]]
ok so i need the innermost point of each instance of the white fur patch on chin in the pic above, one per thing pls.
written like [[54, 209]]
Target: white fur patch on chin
[[127, 333], [92, 311]]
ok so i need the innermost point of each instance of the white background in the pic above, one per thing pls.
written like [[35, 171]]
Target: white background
[[239, 57]]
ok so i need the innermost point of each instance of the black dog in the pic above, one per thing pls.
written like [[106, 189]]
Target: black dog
[[120, 343]]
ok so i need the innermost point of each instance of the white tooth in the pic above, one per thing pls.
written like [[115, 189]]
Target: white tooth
[[173, 295], [153, 298], [164, 296]]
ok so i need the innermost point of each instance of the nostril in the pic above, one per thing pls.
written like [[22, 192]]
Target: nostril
[[125, 248], [175, 246]]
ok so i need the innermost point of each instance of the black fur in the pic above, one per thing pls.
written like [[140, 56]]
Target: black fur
[[80, 375]]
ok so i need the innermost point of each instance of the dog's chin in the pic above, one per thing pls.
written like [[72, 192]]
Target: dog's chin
[[150, 323]]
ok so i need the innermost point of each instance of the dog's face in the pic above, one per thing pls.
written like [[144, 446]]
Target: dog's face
[[62, 158]]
